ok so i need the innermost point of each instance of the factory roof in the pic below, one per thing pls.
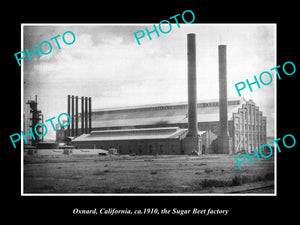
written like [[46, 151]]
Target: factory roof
[[161, 114], [135, 134], [232, 100]]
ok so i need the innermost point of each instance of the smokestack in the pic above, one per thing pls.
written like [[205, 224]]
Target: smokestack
[[192, 142], [76, 114], [69, 98], [90, 114], [72, 117], [224, 135], [86, 115], [82, 115], [192, 86]]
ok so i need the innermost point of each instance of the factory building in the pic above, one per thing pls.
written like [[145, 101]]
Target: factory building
[[147, 141], [221, 125], [246, 123]]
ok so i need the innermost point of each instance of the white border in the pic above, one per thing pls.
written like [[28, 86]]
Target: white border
[[141, 24], [22, 114], [275, 116]]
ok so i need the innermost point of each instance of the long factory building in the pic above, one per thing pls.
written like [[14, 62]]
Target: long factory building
[[246, 126]]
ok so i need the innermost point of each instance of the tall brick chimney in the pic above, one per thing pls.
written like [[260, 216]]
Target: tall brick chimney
[[192, 141], [192, 86], [223, 139]]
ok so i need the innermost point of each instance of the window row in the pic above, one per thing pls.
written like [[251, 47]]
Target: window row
[[163, 148], [249, 127]]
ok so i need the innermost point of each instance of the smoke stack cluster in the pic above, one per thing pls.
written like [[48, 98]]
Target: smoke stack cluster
[[86, 115]]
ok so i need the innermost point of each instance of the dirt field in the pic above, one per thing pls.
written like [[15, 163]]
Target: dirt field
[[86, 173]]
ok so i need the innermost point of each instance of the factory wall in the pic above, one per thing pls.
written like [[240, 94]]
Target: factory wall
[[169, 146], [138, 147]]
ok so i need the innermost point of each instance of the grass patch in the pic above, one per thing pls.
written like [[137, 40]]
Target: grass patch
[[46, 187], [269, 176], [206, 183], [100, 172], [135, 189], [127, 190], [239, 180], [236, 180], [208, 170]]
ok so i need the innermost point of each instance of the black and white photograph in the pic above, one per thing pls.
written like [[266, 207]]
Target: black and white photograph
[[145, 109]]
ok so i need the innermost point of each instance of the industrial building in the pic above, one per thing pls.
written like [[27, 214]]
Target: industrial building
[[246, 124], [221, 125]]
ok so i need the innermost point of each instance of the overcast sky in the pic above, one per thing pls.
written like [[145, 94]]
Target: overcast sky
[[106, 63]]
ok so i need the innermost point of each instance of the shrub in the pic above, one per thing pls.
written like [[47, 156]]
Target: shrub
[[208, 170], [213, 183]]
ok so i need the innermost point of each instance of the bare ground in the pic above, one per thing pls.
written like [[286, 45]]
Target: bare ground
[[86, 173]]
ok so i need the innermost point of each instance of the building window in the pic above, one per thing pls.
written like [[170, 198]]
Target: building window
[[161, 148], [140, 149], [150, 148], [172, 148], [129, 149]]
